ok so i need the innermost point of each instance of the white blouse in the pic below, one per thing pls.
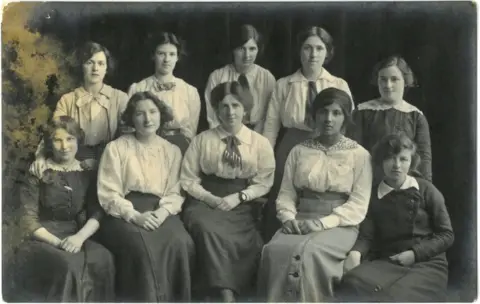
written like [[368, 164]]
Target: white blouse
[[205, 155], [128, 165], [261, 83], [344, 167], [183, 99], [288, 102]]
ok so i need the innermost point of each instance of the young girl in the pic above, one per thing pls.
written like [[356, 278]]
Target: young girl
[[408, 226]]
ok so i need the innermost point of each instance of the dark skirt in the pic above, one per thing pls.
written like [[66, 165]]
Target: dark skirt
[[383, 281], [47, 274], [228, 244], [291, 138], [151, 266]]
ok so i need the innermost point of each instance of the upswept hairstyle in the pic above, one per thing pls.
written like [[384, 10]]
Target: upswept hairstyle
[[156, 40], [90, 48], [322, 34], [240, 35], [333, 95], [242, 94], [401, 64], [166, 114]]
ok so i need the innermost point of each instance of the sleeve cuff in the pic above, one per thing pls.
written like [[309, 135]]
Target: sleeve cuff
[[419, 256], [128, 215], [330, 221], [285, 216]]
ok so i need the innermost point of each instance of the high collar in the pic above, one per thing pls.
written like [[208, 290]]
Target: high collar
[[244, 134]]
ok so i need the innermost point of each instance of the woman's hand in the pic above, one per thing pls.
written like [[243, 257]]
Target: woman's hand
[[229, 202], [291, 227], [72, 244], [353, 260], [89, 164], [405, 258], [147, 220], [309, 226]]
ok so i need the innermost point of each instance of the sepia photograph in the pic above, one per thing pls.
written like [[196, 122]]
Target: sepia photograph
[[239, 151]]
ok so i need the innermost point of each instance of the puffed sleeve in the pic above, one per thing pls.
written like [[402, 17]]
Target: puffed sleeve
[[353, 211], [287, 197], [263, 179], [172, 199], [195, 106], [62, 107], [190, 174], [211, 115], [442, 237], [29, 203], [273, 118], [268, 88], [422, 139], [110, 185], [132, 89]]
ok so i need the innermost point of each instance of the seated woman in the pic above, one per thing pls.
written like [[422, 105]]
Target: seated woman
[[182, 98], [59, 263], [138, 186], [224, 170], [409, 229], [323, 197]]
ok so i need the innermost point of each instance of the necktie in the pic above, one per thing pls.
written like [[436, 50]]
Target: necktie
[[231, 155], [242, 79], [311, 94], [167, 86]]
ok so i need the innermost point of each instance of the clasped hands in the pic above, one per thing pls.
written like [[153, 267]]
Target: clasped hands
[[225, 203], [151, 220], [72, 244], [302, 226]]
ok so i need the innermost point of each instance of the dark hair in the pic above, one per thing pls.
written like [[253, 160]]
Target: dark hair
[[165, 111], [88, 50], [330, 96], [240, 35], [393, 144], [61, 122], [167, 38], [322, 34], [242, 94], [401, 64]]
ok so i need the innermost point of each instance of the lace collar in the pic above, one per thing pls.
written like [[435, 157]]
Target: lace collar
[[377, 105], [344, 143], [39, 166]]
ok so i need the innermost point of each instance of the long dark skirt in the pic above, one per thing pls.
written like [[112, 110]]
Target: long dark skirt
[[47, 274], [151, 266], [383, 281], [228, 244], [291, 138]]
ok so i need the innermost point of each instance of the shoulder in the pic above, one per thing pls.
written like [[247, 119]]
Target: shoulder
[[168, 147], [205, 136], [122, 143], [190, 89], [333, 79], [69, 97], [116, 94], [142, 85], [264, 72], [218, 73], [428, 189], [368, 105]]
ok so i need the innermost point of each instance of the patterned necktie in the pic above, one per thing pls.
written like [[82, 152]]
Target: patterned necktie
[[167, 86], [231, 155], [311, 94]]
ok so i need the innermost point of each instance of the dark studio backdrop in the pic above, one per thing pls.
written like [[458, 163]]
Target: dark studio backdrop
[[438, 40]]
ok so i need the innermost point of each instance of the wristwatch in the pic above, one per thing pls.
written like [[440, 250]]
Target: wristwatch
[[243, 196]]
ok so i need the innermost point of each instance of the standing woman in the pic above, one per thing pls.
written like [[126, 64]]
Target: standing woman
[[59, 262], [324, 196], [138, 186], [246, 45], [291, 104], [181, 97], [390, 113], [95, 106], [224, 171]]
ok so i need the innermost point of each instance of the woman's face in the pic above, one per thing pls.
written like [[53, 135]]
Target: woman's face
[[330, 119], [245, 55], [313, 53], [396, 167], [231, 112], [95, 68], [166, 57], [391, 84], [146, 118], [64, 146]]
